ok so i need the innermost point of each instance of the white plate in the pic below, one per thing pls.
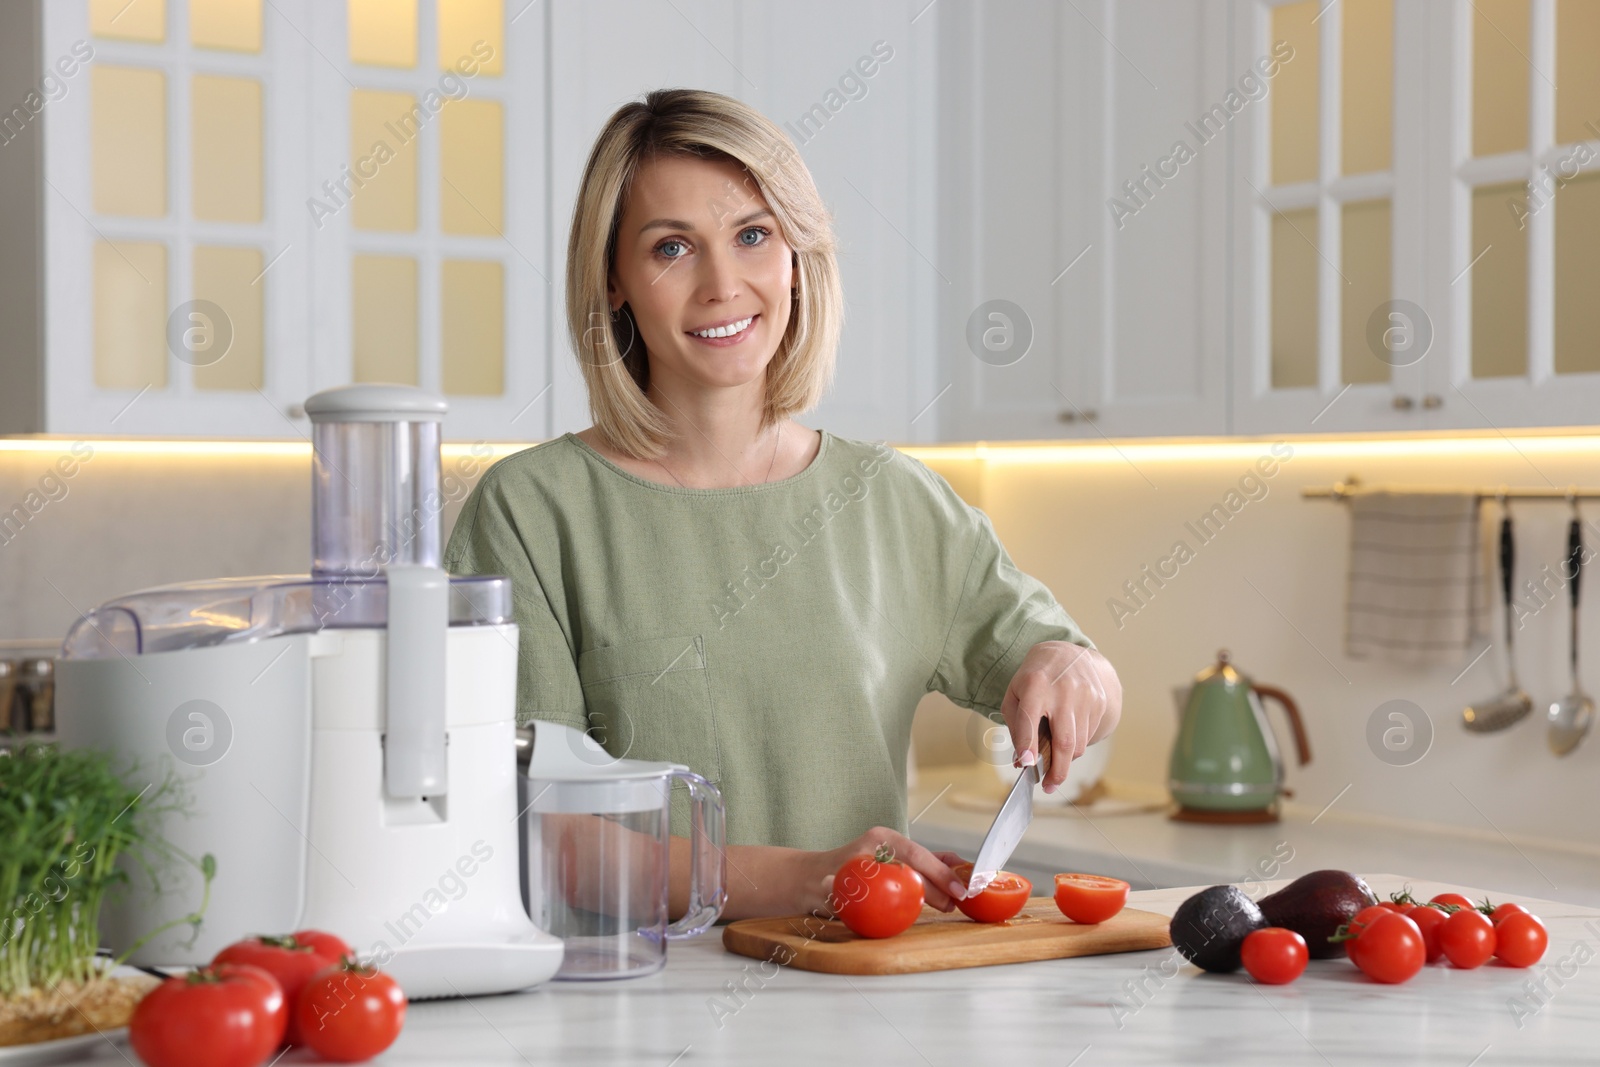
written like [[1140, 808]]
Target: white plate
[[59, 1050], [65, 1048]]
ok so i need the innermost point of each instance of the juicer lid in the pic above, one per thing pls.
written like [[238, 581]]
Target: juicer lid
[[376, 402], [558, 752]]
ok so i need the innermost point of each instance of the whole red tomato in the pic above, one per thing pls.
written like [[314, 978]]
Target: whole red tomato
[[1090, 898], [1452, 898], [286, 959], [1274, 955], [1390, 948], [876, 896], [1520, 939], [332, 946], [227, 1015], [1467, 938], [349, 1013], [1000, 900]]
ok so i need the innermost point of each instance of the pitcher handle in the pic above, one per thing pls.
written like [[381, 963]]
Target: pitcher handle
[[1301, 743], [708, 873]]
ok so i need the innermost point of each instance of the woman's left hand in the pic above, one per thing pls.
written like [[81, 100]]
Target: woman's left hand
[[1076, 689]]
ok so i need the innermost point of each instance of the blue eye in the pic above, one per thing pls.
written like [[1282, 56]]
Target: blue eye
[[753, 229], [664, 244]]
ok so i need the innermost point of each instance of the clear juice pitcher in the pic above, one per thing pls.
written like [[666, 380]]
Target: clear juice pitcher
[[595, 852]]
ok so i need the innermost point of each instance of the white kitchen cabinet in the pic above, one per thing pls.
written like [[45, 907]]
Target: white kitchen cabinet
[[103, 253], [1067, 196], [1489, 281], [203, 151], [867, 140]]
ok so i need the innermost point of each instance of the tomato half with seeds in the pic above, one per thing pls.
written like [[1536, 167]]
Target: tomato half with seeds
[[1090, 898], [999, 901]]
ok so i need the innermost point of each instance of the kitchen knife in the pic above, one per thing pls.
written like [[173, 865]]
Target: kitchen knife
[[1015, 815]]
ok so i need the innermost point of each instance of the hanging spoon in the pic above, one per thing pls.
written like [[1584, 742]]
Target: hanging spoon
[[1572, 715]]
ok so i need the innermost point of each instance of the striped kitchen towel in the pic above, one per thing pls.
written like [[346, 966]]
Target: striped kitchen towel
[[1418, 591]]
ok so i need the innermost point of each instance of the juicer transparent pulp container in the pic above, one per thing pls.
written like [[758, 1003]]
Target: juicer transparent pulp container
[[596, 853]]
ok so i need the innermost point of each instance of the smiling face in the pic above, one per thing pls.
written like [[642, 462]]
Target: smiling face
[[697, 248]]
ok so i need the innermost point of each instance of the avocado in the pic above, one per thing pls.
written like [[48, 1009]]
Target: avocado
[[1317, 904], [1210, 926]]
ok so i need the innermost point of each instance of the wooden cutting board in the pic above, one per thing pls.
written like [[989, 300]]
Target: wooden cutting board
[[941, 942]]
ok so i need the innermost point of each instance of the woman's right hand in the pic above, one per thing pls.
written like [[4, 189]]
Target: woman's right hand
[[940, 887]]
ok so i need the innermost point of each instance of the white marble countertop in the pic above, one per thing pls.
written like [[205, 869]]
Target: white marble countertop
[[1129, 1008], [1151, 851]]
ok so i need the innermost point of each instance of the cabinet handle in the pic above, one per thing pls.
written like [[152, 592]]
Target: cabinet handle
[[1432, 400], [1067, 416], [296, 411], [1404, 403], [1090, 415]]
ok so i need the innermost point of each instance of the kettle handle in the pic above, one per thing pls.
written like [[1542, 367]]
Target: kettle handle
[[708, 872], [1301, 744]]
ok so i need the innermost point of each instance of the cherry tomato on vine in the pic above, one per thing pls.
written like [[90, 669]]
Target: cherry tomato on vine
[[1502, 911], [1273, 955], [1090, 898], [1452, 898], [1428, 920], [1520, 939], [1362, 919], [1389, 949], [877, 896], [1000, 900], [1467, 938]]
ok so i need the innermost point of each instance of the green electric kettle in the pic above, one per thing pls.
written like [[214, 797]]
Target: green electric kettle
[[1225, 764]]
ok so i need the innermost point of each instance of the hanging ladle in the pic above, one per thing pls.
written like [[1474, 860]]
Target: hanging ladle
[[1513, 704], [1572, 715]]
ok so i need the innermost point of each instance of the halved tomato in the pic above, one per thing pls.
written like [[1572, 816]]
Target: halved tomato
[[1090, 898], [1003, 898]]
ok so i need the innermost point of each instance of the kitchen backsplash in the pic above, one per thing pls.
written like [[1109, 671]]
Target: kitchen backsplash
[[1269, 586]]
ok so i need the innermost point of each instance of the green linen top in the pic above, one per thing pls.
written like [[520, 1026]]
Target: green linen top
[[774, 638]]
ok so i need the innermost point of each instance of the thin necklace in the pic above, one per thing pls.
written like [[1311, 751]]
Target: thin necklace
[[777, 439]]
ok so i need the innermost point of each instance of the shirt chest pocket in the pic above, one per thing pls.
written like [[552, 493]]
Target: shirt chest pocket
[[651, 700]]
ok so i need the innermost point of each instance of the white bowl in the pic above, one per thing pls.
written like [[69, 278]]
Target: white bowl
[[1081, 776]]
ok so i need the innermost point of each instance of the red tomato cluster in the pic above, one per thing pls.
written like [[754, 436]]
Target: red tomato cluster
[[877, 896], [1390, 942], [262, 993]]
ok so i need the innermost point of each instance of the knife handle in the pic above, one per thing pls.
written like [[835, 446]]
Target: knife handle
[[1042, 763]]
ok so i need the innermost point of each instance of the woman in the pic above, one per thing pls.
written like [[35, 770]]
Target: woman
[[699, 578]]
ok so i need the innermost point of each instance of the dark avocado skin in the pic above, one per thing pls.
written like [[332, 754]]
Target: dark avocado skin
[[1210, 927], [1317, 904]]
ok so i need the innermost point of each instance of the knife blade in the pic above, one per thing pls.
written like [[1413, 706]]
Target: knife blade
[[1012, 821]]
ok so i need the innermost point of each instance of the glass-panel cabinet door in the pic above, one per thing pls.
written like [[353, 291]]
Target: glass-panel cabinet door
[[175, 302], [1522, 219], [1328, 330], [427, 199]]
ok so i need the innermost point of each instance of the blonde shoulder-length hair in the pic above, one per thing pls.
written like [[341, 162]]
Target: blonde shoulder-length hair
[[705, 125]]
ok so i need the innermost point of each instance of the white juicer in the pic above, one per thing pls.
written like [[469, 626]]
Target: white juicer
[[345, 740]]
